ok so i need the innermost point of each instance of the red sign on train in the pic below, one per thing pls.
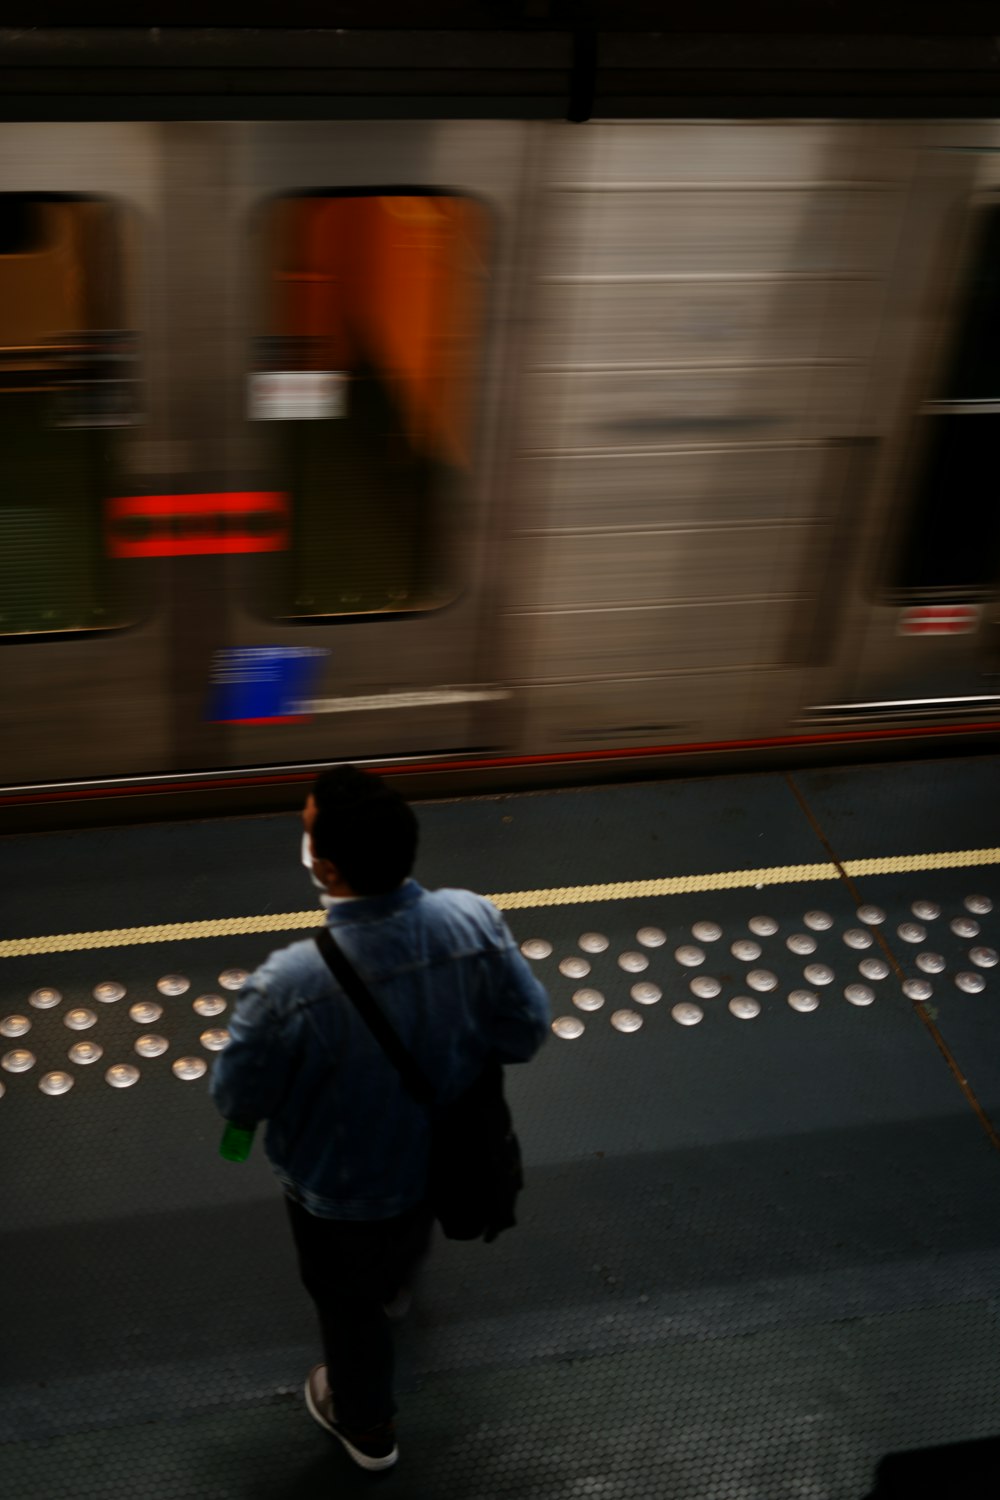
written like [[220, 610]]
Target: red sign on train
[[939, 619], [193, 525]]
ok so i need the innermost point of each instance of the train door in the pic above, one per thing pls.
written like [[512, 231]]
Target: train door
[[83, 648], [913, 602], [364, 274]]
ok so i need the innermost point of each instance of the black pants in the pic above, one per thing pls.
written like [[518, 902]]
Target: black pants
[[350, 1270]]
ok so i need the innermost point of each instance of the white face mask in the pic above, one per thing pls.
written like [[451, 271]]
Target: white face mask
[[307, 860]]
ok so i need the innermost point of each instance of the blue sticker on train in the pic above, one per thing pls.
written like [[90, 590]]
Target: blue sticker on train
[[264, 684]]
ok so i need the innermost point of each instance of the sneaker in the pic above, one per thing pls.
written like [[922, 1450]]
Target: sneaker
[[370, 1450]]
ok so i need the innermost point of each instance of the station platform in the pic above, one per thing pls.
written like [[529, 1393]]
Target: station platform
[[758, 1255]]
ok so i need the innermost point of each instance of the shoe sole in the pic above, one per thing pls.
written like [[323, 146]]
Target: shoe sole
[[363, 1460]]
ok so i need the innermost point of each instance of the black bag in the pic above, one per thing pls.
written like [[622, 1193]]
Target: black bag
[[475, 1169]]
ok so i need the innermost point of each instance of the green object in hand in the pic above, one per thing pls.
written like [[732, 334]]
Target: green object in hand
[[237, 1141]]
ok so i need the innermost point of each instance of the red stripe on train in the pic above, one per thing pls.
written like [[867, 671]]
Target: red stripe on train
[[500, 762]]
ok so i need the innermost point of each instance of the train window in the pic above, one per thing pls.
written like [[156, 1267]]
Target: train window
[[952, 544], [363, 388], [65, 354]]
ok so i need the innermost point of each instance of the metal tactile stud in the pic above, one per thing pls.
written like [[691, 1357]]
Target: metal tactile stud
[[145, 1012], [918, 989], [574, 968], [745, 949], [931, 963], [763, 926], [983, 958], [232, 979], [85, 1052], [588, 999], [705, 987], [803, 1000], [651, 937], [151, 1045], [593, 942], [819, 973], [56, 1082], [964, 927], [122, 1075], [79, 1018], [567, 1027], [978, 904], [762, 979], [873, 968], [857, 937], [633, 963], [173, 984], [626, 1020], [208, 1005], [189, 1067], [871, 915], [744, 1007], [926, 910], [532, 948], [818, 921], [912, 932], [972, 984], [45, 998], [214, 1039], [108, 991], [686, 1014], [859, 994], [690, 956], [14, 1026], [801, 942], [18, 1060], [706, 932], [646, 994]]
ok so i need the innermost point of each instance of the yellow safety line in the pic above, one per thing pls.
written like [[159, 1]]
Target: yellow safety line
[[567, 895]]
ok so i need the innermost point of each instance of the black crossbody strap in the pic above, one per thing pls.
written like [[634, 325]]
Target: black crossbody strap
[[357, 991]]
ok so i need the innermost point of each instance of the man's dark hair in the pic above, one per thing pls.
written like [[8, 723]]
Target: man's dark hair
[[365, 828]]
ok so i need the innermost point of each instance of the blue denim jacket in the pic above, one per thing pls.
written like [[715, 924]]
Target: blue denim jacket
[[343, 1135]]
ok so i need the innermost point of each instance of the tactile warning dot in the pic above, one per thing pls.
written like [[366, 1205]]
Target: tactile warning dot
[[17, 1060], [593, 942], [646, 994], [687, 1014], [588, 999], [633, 963], [44, 998]]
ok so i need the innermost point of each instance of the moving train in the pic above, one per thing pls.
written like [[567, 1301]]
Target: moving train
[[465, 447]]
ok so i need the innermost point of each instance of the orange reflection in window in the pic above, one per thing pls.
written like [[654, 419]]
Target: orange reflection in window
[[391, 286]]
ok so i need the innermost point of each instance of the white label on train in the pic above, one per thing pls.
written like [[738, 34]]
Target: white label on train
[[436, 698], [296, 395]]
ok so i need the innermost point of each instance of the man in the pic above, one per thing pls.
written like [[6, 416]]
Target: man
[[346, 1140]]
